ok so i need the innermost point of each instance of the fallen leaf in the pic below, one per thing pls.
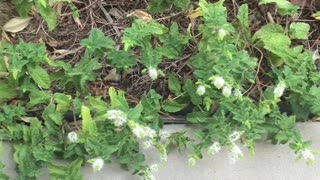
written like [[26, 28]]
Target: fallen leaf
[[16, 24], [141, 15], [195, 13]]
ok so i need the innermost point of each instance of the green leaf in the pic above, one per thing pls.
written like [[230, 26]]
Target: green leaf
[[191, 89], [48, 14], [63, 102], [118, 100], [299, 30], [157, 6], [284, 7], [198, 117], [88, 126], [40, 76], [97, 41], [51, 115], [181, 4], [122, 60], [172, 106], [23, 7], [243, 16], [174, 85], [38, 97], [6, 91]]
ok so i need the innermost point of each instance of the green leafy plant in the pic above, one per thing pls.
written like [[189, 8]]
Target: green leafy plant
[[225, 98]]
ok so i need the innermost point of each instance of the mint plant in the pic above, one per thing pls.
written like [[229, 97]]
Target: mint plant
[[229, 99]]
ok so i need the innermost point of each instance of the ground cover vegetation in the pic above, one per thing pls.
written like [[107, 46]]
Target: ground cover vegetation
[[95, 81]]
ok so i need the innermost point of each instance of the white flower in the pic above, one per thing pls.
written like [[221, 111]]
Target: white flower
[[97, 164], [201, 90], [117, 116], [154, 167], [235, 153], [142, 132], [226, 91], [73, 137], [147, 144], [148, 176], [237, 93], [234, 136], [221, 33], [218, 82], [214, 148], [278, 91], [153, 73], [164, 135], [191, 162], [139, 132], [307, 155]]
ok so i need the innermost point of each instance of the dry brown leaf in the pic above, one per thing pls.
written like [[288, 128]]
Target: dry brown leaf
[[194, 14], [6, 37], [16, 24], [78, 22], [141, 15]]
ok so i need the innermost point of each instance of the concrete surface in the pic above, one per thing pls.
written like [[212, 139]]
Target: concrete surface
[[271, 162]]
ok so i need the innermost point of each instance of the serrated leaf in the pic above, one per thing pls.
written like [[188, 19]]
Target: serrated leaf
[[38, 97], [172, 106], [181, 4], [6, 91], [299, 30], [40, 76], [284, 7], [118, 100], [16, 24], [48, 14], [191, 89], [174, 85], [63, 102], [121, 60], [88, 126], [97, 41], [243, 16], [23, 7]]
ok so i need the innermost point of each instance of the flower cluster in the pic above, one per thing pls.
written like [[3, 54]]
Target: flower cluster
[[97, 164], [153, 73], [201, 90], [235, 153], [307, 155], [117, 116], [142, 132], [278, 91], [191, 161], [220, 83], [214, 148], [234, 136], [73, 137]]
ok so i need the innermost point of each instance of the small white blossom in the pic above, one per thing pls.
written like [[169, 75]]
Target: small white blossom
[[226, 91], [142, 132], [97, 164], [164, 135], [214, 148], [147, 144], [237, 93], [201, 90], [278, 91], [307, 155], [235, 153], [191, 162], [154, 167], [73, 137], [148, 176], [218, 82], [234, 136], [221, 33], [153, 73], [117, 116]]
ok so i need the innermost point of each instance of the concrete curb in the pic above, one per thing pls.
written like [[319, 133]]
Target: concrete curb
[[271, 162]]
